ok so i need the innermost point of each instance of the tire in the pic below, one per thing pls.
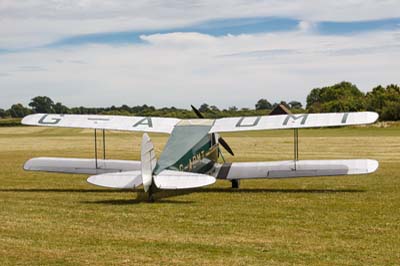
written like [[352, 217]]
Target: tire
[[235, 184]]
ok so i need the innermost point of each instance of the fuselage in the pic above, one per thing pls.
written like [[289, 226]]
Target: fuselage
[[190, 148]]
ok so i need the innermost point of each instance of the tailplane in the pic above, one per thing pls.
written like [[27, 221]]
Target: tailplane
[[168, 179]]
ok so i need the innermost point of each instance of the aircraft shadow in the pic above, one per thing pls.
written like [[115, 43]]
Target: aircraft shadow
[[187, 191], [136, 201], [69, 190], [163, 197], [279, 190]]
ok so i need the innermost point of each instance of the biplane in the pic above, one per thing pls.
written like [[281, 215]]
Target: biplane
[[192, 156]]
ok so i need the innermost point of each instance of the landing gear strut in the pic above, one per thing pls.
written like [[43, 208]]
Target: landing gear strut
[[235, 183], [150, 198]]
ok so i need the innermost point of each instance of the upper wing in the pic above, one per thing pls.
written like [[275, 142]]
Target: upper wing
[[233, 124], [127, 123]]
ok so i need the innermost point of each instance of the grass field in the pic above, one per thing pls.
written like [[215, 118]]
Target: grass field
[[55, 219]]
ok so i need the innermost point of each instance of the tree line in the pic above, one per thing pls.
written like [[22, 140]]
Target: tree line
[[341, 97]]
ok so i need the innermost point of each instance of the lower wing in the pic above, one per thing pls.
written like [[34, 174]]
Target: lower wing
[[80, 166], [292, 169]]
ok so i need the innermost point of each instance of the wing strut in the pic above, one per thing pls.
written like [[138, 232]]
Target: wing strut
[[104, 144], [296, 147], [95, 146]]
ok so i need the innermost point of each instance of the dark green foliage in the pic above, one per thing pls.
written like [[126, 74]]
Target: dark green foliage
[[204, 108], [295, 105], [391, 111], [18, 111], [263, 104], [341, 97], [42, 104], [2, 113], [10, 122], [385, 101], [59, 108]]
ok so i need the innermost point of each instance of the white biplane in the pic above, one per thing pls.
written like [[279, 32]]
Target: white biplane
[[190, 157]]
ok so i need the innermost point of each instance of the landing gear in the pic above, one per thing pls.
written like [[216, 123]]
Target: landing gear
[[150, 199], [235, 183]]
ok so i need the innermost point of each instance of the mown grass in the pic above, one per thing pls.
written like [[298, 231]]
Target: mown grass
[[55, 219]]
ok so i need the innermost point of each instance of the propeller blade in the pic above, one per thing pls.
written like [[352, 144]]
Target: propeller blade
[[225, 145], [199, 115], [220, 140]]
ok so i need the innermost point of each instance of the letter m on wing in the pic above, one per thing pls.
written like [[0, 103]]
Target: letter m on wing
[[293, 119]]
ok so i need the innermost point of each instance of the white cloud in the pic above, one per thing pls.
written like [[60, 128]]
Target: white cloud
[[183, 68], [306, 26], [181, 39], [35, 22]]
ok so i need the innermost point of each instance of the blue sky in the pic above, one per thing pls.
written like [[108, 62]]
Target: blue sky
[[99, 53], [221, 27]]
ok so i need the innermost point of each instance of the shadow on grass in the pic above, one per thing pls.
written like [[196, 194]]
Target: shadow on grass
[[63, 190], [142, 197], [279, 190], [161, 197], [177, 193], [136, 201]]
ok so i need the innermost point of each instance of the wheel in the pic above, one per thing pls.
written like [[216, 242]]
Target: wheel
[[151, 197], [235, 183]]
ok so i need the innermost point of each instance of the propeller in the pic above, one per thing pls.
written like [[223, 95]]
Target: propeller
[[220, 139], [199, 115]]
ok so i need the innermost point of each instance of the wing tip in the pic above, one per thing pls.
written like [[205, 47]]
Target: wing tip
[[372, 166], [26, 120], [372, 117], [30, 119]]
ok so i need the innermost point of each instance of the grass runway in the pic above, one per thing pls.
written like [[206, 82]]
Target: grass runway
[[56, 219]]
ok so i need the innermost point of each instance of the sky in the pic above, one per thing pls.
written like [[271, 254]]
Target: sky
[[181, 52]]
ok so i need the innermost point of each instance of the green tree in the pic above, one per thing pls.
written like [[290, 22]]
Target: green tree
[[18, 110], [214, 109], [295, 105], [204, 108], [2, 113], [126, 108], [263, 104], [341, 97], [42, 104], [384, 101], [59, 108], [391, 111]]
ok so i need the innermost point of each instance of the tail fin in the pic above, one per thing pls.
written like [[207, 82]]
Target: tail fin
[[148, 161]]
